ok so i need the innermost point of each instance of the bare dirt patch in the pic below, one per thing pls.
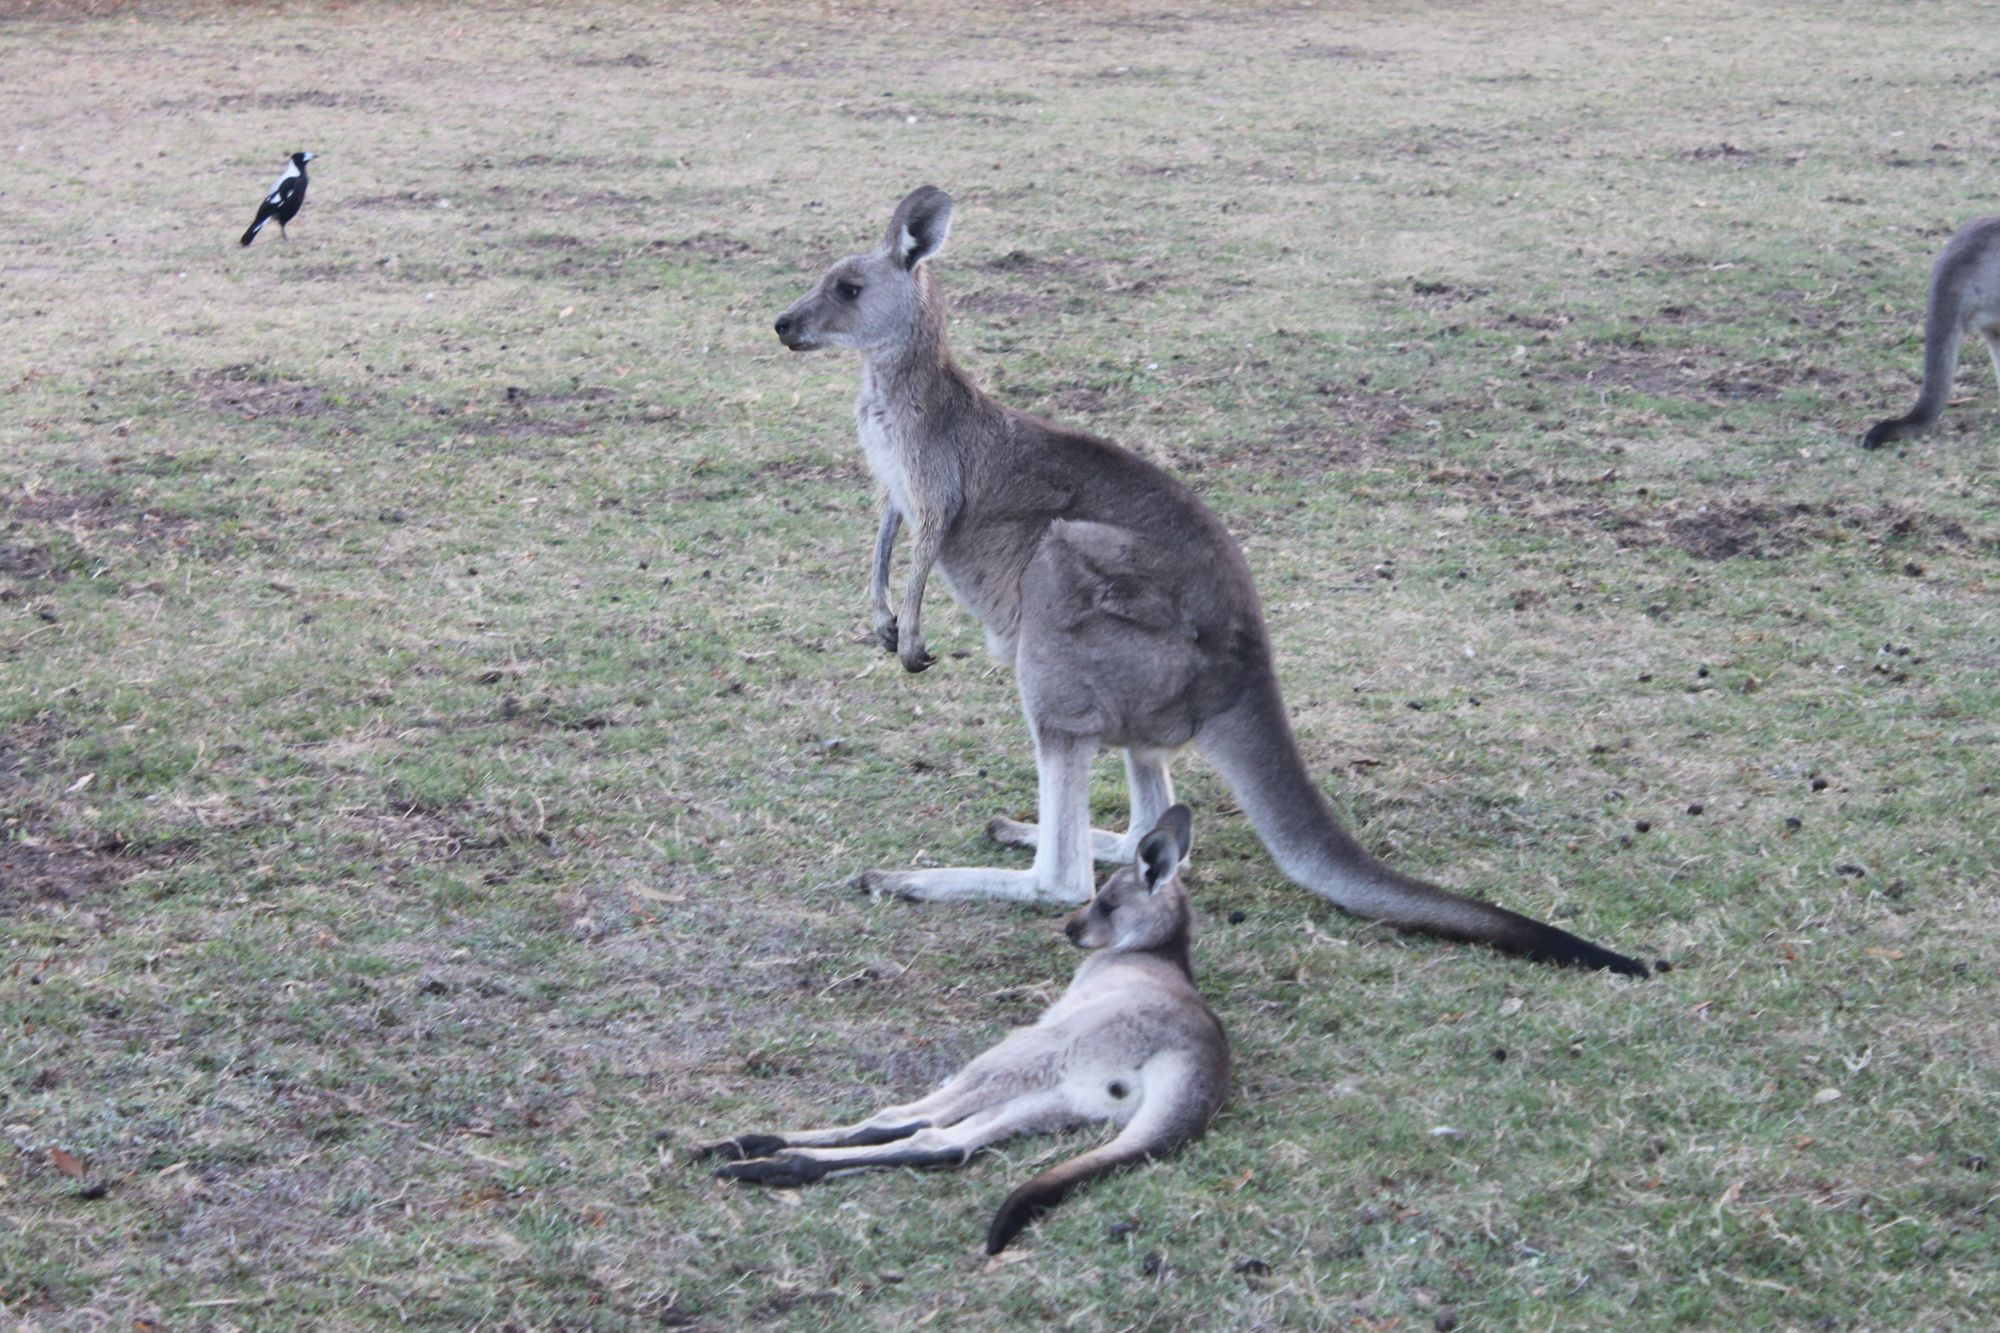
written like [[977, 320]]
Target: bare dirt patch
[[1336, 51], [564, 414], [580, 162], [28, 561], [1353, 425], [36, 865], [1757, 528], [1034, 265], [249, 393], [102, 515], [420, 834], [563, 201], [293, 100], [709, 245], [1694, 375], [1038, 284], [1077, 398], [32, 870], [392, 199]]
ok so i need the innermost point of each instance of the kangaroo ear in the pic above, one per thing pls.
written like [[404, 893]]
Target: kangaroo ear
[[1159, 858], [921, 223], [1178, 821]]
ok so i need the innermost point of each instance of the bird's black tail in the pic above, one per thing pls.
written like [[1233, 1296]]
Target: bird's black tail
[[255, 227]]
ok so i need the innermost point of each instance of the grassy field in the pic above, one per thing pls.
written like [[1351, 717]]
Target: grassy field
[[436, 717]]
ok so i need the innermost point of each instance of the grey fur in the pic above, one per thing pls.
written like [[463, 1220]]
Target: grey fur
[[1129, 1043], [1964, 295], [1123, 605]]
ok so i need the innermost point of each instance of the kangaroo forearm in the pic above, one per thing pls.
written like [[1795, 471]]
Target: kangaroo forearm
[[910, 616], [885, 555]]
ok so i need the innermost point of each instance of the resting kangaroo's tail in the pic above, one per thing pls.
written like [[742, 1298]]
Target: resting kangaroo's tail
[[1944, 328], [1179, 1104], [1252, 747]]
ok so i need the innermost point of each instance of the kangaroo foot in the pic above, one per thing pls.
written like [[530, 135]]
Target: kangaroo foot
[[781, 1171], [958, 883]]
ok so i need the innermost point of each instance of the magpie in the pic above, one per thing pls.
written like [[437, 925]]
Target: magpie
[[284, 199]]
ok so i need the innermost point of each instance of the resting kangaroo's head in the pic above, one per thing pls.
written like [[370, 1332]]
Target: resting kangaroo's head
[[1141, 906], [884, 298]]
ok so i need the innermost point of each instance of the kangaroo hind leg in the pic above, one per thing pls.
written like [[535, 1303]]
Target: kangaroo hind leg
[[1151, 787], [936, 1145], [883, 1127], [1061, 872], [984, 1083]]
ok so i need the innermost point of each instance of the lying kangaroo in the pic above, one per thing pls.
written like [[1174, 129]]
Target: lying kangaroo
[[1965, 294], [1122, 603], [1129, 1042]]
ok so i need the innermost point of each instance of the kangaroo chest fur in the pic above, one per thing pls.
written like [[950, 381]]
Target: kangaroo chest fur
[[882, 443]]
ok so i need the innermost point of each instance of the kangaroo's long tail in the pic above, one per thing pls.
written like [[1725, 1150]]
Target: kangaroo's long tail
[[1944, 330], [1252, 747], [1185, 1089]]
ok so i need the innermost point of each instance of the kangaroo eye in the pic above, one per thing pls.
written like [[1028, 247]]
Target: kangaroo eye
[[847, 291]]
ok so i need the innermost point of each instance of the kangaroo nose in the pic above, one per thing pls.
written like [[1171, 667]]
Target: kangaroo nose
[[784, 326]]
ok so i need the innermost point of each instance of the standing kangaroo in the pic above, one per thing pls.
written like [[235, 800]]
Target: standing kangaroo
[[1965, 294], [1123, 605], [1130, 1042]]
